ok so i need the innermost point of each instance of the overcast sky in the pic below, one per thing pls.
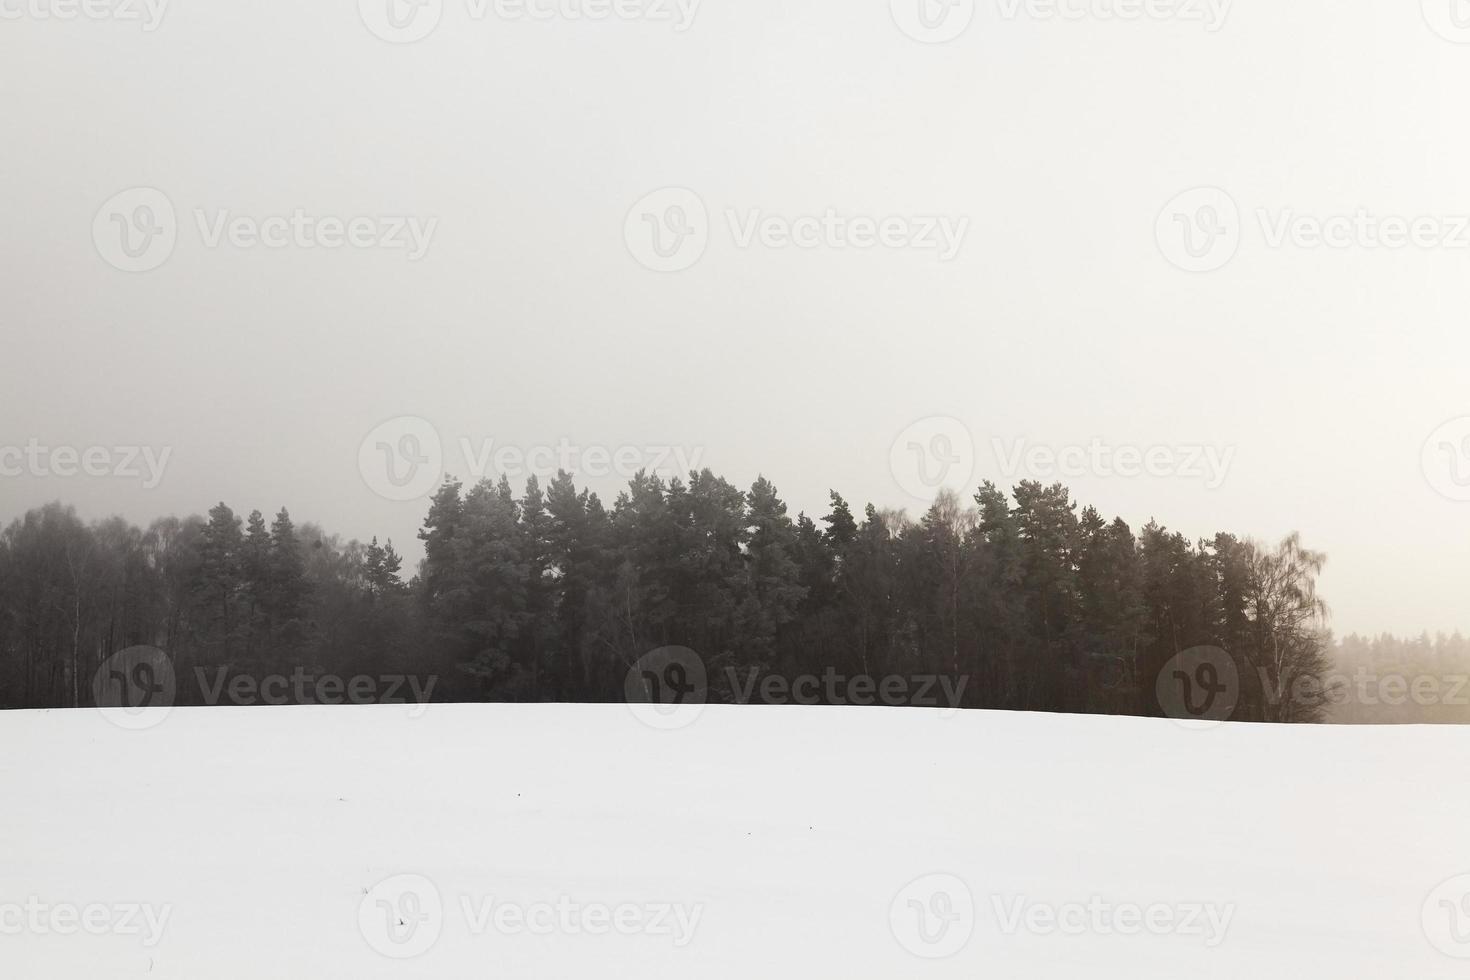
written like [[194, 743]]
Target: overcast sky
[[884, 261]]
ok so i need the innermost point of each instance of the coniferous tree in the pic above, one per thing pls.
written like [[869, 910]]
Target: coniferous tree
[[381, 567], [255, 567], [220, 575], [288, 589], [775, 591]]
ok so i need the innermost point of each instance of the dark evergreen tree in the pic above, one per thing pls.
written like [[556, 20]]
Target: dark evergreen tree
[[288, 588], [220, 576]]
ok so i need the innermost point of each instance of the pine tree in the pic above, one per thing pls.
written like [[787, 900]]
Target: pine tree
[[255, 567], [841, 527], [381, 565], [775, 590], [220, 576], [490, 552], [540, 640], [288, 586], [444, 589], [569, 559]]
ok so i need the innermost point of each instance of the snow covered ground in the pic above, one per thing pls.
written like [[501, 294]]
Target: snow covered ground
[[489, 841]]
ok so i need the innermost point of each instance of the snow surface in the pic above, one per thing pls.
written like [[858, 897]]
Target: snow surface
[[794, 831]]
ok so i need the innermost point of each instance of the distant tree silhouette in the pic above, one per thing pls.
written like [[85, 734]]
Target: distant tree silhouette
[[552, 596]]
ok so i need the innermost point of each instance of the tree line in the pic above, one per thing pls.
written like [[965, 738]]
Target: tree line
[[1387, 680], [550, 595]]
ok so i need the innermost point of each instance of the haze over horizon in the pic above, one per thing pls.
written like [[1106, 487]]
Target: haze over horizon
[[780, 239]]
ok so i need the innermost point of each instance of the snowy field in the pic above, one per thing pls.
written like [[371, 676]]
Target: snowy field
[[494, 841]]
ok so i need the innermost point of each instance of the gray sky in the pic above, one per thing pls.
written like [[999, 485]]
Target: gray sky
[[517, 304]]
